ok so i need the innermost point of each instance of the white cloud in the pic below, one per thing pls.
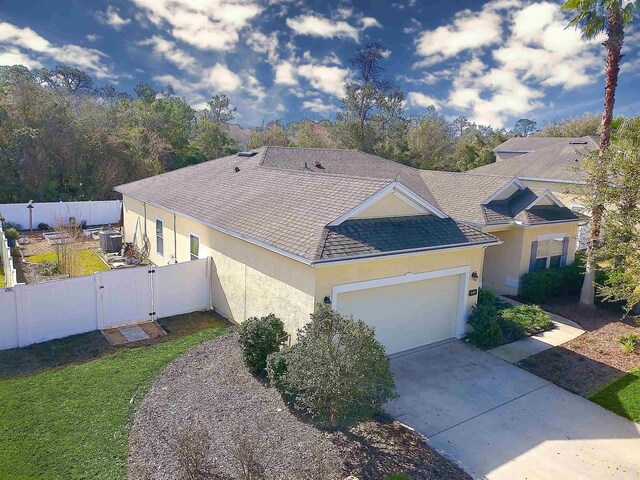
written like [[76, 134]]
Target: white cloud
[[417, 99], [27, 45], [531, 51], [208, 25], [220, 78], [112, 18], [328, 79], [469, 30], [261, 43], [317, 105], [170, 51], [285, 73], [93, 37], [368, 22], [318, 26], [13, 56]]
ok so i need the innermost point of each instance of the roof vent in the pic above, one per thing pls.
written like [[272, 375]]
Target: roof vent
[[578, 142], [246, 154], [319, 165], [237, 169]]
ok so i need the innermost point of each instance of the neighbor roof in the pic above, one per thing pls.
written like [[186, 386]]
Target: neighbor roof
[[286, 209], [559, 161], [530, 144]]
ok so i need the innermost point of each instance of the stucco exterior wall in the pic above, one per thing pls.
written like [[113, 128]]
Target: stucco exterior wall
[[506, 263], [385, 267], [248, 280], [388, 206]]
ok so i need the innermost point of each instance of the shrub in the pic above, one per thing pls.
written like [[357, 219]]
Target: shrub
[[531, 318], [7, 225], [277, 368], [538, 287], [484, 320], [259, 337], [398, 476], [43, 226], [629, 341], [12, 233], [338, 371]]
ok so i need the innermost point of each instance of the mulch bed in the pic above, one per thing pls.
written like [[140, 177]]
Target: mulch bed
[[210, 389], [594, 359]]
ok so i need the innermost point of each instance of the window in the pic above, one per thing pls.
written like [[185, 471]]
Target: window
[[549, 254], [194, 243], [159, 238]]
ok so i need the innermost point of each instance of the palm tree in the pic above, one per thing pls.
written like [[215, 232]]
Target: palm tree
[[594, 17]]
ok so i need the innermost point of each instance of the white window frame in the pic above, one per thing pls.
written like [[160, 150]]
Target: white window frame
[[161, 236], [548, 238], [194, 235]]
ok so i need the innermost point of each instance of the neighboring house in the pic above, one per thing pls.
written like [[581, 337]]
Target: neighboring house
[[288, 228], [552, 163]]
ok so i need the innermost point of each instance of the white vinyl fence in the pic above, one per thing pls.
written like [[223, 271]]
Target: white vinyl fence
[[52, 213], [7, 262], [44, 311]]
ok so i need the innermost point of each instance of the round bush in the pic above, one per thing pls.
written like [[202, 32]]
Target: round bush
[[337, 372], [530, 317], [258, 338], [486, 329], [43, 226], [12, 234]]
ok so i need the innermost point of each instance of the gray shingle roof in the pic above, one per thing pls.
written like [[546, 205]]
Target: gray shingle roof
[[530, 144], [559, 161], [547, 213], [285, 208], [363, 237]]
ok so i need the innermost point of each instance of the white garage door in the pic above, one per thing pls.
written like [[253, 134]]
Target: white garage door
[[407, 315]]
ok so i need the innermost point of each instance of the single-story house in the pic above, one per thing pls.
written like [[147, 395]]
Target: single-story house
[[288, 228]]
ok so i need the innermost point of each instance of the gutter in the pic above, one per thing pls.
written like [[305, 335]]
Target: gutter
[[412, 251]]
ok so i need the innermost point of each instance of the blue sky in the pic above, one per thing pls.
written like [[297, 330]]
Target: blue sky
[[493, 62]]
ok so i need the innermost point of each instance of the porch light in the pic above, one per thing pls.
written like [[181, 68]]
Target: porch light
[[474, 276], [327, 300]]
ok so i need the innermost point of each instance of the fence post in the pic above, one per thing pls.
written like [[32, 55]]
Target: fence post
[[97, 278]]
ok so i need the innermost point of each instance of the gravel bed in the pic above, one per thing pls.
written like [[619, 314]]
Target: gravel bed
[[209, 389]]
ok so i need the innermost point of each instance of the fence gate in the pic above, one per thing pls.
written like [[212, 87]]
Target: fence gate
[[125, 296]]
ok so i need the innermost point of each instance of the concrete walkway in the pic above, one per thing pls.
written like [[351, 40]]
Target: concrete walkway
[[500, 422], [564, 331]]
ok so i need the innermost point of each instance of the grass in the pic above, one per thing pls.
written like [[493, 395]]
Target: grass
[[1, 277], [87, 261], [622, 396], [73, 422]]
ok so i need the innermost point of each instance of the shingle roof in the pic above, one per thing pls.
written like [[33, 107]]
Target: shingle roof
[[347, 162], [530, 144], [547, 213], [285, 208], [559, 161], [363, 237]]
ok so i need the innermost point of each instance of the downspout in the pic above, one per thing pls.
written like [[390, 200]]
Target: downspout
[[175, 241]]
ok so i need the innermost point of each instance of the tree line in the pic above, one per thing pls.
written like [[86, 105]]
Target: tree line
[[62, 137]]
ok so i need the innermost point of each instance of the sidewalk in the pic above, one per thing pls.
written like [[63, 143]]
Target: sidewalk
[[513, 352]]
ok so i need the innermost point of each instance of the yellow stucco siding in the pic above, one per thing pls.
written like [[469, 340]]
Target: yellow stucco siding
[[329, 276], [388, 206], [248, 280], [506, 263]]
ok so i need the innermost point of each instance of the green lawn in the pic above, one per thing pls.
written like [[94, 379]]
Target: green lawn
[[622, 396], [1, 277], [87, 260], [73, 422]]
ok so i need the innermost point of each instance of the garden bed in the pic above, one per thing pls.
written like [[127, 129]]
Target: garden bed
[[591, 361], [210, 389]]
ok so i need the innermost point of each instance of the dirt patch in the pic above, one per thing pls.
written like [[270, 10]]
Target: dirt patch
[[594, 359], [210, 388]]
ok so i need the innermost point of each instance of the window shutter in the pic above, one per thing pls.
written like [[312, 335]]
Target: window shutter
[[565, 251], [534, 252]]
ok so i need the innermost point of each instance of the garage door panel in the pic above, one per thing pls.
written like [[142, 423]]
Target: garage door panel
[[407, 315]]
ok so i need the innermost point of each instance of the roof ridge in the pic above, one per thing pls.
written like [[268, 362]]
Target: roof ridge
[[328, 174]]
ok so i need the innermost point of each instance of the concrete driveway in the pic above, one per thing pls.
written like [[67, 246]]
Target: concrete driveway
[[500, 422]]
